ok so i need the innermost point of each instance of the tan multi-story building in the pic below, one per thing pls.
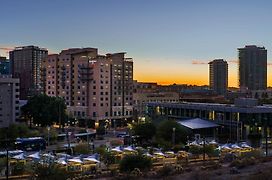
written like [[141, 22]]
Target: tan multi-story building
[[9, 100], [25, 65], [96, 87]]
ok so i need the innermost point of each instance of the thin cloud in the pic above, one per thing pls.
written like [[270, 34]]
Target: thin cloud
[[197, 62], [233, 61]]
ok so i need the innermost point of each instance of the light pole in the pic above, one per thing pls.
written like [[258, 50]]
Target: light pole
[[173, 135], [114, 125], [266, 137], [48, 134]]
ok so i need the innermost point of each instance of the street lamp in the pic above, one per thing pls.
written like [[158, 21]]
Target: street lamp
[[114, 125], [173, 135], [266, 137], [48, 134]]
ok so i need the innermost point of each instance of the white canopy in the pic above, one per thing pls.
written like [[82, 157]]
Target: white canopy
[[129, 148], [147, 154], [117, 149], [19, 156], [158, 153], [213, 142], [48, 155], [76, 160], [91, 159], [245, 145], [61, 161], [235, 146], [226, 147], [169, 152], [35, 155]]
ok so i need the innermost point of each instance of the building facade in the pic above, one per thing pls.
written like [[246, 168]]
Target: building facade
[[237, 120], [218, 76], [26, 63], [252, 68], [4, 66], [95, 87], [9, 100], [142, 98]]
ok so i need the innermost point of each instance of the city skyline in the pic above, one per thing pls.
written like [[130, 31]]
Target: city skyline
[[169, 42]]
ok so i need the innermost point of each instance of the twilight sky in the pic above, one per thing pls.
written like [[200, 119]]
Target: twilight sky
[[171, 41]]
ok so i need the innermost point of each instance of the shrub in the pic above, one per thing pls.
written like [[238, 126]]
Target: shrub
[[254, 153], [166, 171], [195, 149], [241, 163], [51, 172], [130, 162], [82, 148]]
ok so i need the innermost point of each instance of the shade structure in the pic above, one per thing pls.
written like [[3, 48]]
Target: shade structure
[[194, 143], [75, 160], [245, 145], [15, 152], [63, 155], [117, 149], [169, 152], [197, 123], [91, 159], [129, 148], [213, 142], [19, 156], [158, 153], [61, 161], [48, 155], [35, 155], [147, 154], [235, 146], [225, 147]]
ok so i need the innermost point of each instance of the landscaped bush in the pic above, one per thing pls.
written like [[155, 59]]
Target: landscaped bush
[[254, 153], [52, 172], [130, 162], [241, 163], [195, 149], [82, 148], [166, 170]]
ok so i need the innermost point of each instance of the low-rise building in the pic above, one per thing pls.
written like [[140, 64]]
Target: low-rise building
[[237, 120], [9, 100]]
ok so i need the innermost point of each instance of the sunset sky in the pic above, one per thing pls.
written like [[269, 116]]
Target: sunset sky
[[171, 41]]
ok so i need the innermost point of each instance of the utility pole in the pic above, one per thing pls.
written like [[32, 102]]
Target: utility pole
[[266, 138], [173, 136], [204, 146]]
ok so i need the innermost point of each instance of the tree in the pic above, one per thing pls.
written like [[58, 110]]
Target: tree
[[130, 162], [44, 110], [165, 132], [146, 131], [17, 130]]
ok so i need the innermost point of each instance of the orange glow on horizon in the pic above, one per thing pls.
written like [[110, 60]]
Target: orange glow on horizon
[[185, 74]]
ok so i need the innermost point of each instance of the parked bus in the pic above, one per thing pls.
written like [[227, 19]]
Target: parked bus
[[30, 144]]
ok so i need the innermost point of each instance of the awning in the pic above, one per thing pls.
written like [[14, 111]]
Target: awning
[[198, 123]]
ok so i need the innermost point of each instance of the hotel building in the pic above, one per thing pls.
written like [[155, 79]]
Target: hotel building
[[25, 64], [218, 78], [95, 87], [252, 68]]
